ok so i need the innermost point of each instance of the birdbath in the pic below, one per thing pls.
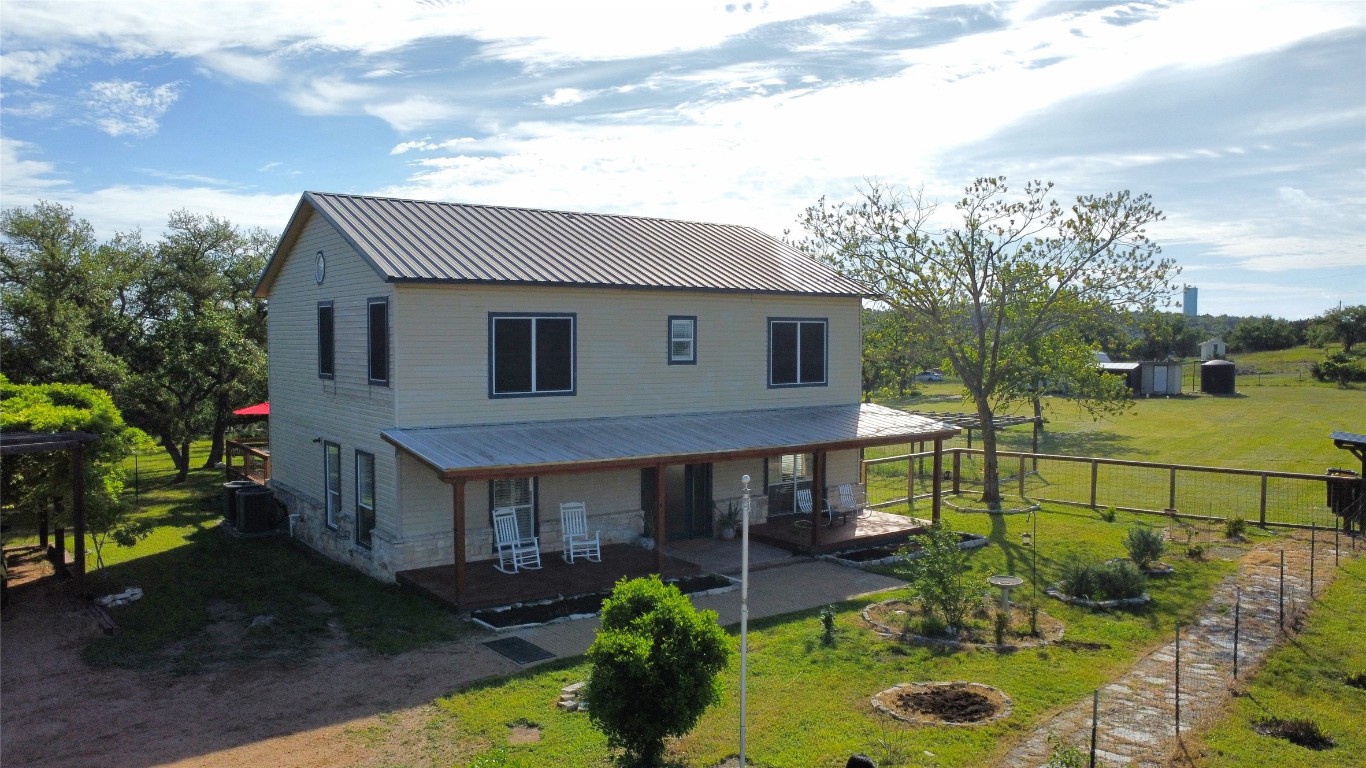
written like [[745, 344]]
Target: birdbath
[[1005, 584]]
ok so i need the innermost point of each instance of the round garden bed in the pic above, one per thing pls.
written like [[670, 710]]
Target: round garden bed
[[944, 703], [904, 619]]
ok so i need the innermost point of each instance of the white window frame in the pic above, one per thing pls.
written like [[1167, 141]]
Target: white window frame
[[520, 494], [804, 326], [535, 320], [362, 508], [682, 340], [331, 483]]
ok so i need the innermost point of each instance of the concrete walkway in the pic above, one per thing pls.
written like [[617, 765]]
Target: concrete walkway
[[1137, 711], [798, 584]]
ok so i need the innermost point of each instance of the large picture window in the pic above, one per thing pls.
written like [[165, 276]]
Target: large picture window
[[796, 352], [784, 476], [378, 337], [531, 355], [327, 343], [332, 481], [365, 497], [682, 340]]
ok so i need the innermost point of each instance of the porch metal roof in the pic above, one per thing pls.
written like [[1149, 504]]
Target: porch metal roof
[[545, 447]]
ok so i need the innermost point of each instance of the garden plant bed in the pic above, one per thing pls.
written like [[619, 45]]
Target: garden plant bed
[[878, 556], [944, 703], [582, 606], [901, 619], [1127, 602], [1153, 569]]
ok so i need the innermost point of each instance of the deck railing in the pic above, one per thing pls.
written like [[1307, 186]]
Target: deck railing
[[252, 460], [1266, 497]]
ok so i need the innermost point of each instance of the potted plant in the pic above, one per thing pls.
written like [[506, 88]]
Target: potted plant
[[728, 521]]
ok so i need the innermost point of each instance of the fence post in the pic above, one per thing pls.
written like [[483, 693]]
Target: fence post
[[1313, 540], [910, 481], [1171, 500], [1281, 599], [1095, 470], [1261, 516], [1022, 476], [957, 470], [1095, 718], [1178, 682], [1336, 546], [1237, 610]]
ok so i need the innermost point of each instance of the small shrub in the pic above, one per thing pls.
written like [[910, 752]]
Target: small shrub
[[1078, 579], [1065, 755], [942, 576], [655, 663], [1145, 545], [827, 626], [1305, 733], [1120, 580], [999, 624], [1195, 552], [1235, 527], [1357, 679], [1108, 514], [933, 626]]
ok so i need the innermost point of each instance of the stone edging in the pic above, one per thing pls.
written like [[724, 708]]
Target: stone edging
[[950, 644], [1126, 602], [976, 541], [734, 585], [1006, 704]]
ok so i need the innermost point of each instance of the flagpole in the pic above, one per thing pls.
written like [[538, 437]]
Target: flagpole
[[744, 609]]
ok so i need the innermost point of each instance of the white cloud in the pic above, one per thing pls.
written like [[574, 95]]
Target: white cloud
[[411, 113], [24, 178], [31, 67], [427, 145], [124, 108], [563, 97]]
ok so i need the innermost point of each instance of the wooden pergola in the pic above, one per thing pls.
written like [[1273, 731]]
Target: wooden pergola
[[22, 443], [971, 421]]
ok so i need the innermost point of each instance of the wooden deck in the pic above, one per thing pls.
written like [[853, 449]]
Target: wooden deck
[[875, 530], [488, 587]]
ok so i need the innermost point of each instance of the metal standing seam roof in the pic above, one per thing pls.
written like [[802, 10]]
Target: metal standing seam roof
[[581, 444], [424, 241]]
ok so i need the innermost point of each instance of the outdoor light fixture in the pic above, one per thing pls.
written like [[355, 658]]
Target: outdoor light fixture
[[1026, 539]]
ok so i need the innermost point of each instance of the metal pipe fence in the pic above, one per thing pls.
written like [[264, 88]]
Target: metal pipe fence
[[1264, 497]]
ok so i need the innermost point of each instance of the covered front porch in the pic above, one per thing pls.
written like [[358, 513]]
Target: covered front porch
[[654, 446]]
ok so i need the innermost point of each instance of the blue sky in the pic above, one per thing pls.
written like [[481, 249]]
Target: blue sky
[[1246, 121]]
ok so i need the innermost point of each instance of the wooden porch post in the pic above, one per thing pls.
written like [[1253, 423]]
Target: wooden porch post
[[458, 514], [818, 497], [659, 520], [78, 513], [938, 478]]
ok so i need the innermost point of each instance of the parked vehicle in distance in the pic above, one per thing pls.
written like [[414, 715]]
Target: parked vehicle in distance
[[929, 376]]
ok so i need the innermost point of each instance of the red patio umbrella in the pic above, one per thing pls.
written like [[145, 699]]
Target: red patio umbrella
[[258, 410]]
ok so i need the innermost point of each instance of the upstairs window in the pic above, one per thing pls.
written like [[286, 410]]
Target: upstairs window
[[378, 335], [531, 355], [796, 352], [327, 344], [682, 340]]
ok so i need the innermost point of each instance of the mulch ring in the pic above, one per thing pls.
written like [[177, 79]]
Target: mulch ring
[[944, 703], [901, 619], [581, 606]]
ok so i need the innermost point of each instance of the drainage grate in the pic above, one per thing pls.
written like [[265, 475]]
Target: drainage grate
[[519, 650]]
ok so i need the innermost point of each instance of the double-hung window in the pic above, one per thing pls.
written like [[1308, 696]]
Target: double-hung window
[[519, 493], [531, 355], [332, 481], [365, 497], [796, 352], [682, 340], [377, 323], [327, 341], [785, 475]]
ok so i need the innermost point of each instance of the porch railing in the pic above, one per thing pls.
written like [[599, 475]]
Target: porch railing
[[1267, 497], [247, 460]]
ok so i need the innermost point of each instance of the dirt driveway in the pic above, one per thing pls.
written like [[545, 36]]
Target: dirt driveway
[[344, 707]]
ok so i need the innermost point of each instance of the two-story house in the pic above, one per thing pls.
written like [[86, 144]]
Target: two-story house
[[432, 361]]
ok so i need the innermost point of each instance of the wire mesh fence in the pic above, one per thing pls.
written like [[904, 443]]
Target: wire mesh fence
[[1258, 496]]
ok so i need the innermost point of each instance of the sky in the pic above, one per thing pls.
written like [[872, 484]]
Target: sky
[[1245, 121]]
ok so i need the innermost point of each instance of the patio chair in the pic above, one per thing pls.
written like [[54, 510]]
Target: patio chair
[[574, 529], [853, 501], [514, 551], [804, 508]]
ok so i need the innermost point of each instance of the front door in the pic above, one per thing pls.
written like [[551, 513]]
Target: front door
[[687, 500]]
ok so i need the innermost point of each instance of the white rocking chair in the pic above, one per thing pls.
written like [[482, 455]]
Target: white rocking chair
[[804, 507], [574, 529], [853, 500], [514, 551]]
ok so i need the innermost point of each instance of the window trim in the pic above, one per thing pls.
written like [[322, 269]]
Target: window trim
[[331, 358], [573, 319], [369, 534], [691, 359], [824, 322], [331, 510], [370, 303]]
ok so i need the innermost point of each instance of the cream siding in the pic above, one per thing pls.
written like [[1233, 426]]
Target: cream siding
[[622, 339]]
